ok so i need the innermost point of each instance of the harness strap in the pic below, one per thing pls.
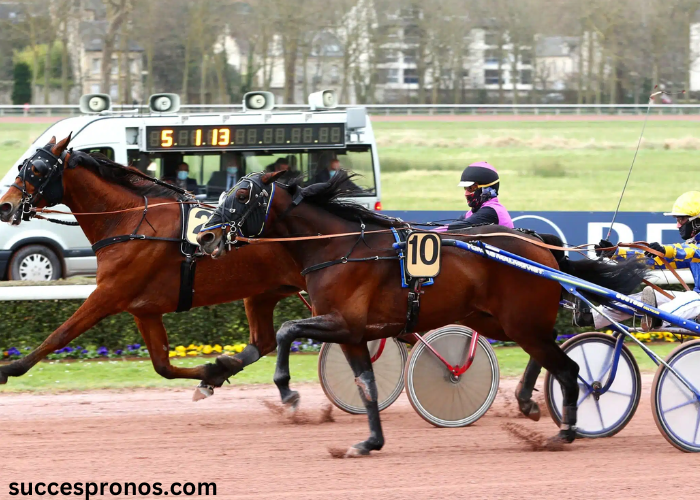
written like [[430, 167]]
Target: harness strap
[[122, 238], [344, 260], [186, 295]]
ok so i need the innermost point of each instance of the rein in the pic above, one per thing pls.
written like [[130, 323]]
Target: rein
[[639, 245], [132, 209]]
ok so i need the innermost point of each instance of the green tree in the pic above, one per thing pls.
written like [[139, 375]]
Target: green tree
[[22, 88]]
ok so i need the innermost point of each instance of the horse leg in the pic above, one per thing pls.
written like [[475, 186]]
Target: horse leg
[[97, 307], [361, 364], [259, 309], [156, 339], [327, 328], [523, 392], [565, 370]]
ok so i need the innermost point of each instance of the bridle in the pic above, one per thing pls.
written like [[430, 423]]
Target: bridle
[[47, 184], [236, 220]]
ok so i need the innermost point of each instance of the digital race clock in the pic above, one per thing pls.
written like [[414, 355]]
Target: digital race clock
[[189, 137]]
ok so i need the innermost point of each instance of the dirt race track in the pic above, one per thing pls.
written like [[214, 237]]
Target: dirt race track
[[232, 439]]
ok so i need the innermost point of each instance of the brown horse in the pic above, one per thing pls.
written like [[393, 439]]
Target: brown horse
[[143, 277], [356, 297]]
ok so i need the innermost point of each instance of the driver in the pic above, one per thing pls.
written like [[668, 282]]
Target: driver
[[481, 183], [685, 255]]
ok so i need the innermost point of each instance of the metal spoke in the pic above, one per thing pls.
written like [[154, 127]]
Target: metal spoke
[[600, 414], [697, 426], [588, 393], [585, 360], [677, 407], [619, 393], [608, 365]]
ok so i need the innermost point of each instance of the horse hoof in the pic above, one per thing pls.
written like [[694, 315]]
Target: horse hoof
[[3, 378], [292, 400], [530, 409], [568, 435], [203, 391], [352, 452], [557, 442]]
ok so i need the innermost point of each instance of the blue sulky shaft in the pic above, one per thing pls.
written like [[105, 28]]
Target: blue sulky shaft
[[569, 281], [572, 284]]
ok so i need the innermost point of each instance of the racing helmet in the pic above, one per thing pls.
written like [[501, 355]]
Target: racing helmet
[[481, 183], [687, 205]]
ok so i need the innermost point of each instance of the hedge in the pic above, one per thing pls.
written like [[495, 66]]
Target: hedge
[[28, 323]]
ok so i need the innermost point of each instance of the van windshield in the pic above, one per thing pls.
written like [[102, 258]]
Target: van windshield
[[212, 173]]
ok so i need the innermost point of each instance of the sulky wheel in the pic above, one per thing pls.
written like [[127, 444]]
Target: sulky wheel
[[338, 380], [675, 408], [606, 414], [437, 395]]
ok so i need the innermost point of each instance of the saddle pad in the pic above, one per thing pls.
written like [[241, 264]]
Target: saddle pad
[[196, 218], [400, 236]]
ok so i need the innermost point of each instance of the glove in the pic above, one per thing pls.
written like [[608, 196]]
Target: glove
[[600, 249], [656, 246]]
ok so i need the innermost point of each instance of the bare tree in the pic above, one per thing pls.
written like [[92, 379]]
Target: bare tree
[[117, 11]]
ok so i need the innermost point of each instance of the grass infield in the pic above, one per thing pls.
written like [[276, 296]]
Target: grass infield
[[91, 375], [543, 165]]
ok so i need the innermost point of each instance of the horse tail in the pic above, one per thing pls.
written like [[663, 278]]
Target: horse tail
[[623, 277]]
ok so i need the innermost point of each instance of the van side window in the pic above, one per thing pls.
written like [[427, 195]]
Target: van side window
[[108, 152]]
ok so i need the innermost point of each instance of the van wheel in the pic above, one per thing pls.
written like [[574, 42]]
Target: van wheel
[[34, 263]]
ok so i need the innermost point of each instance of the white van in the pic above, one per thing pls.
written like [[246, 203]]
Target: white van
[[218, 149]]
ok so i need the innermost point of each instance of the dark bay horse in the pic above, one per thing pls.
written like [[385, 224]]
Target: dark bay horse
[[143, 277], [358, 301]]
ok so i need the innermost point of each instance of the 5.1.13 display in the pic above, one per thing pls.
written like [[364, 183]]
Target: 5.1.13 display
[[190, 137]]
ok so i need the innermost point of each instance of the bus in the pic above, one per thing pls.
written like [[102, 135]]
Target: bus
[[215, 149]]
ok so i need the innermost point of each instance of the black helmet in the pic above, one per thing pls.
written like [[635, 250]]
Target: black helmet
[[480, 173]]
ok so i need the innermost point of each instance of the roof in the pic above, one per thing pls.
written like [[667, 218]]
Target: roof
[[326, 44], [92, 35], [555, 46], [10, 11]]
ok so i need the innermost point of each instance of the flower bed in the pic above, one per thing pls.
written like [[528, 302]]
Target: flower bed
[[139, 351]]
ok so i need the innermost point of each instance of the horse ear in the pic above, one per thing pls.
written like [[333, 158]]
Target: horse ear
[[270, 177], [61, 146], [53, 140]]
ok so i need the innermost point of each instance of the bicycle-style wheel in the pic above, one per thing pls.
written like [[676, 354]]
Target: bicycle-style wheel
[[598, 415], [439, 397], [338, 380], [675, 408]]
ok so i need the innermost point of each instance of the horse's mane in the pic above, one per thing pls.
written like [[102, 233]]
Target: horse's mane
[[326, 196], [129, 177]]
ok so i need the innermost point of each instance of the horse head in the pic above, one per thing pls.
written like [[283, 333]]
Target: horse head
[[244, 211], [38, 184]]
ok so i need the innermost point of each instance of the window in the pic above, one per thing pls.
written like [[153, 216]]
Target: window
[[526, 57], [392, 32], [389, 56], [108, 152], [411, 33], [410, 76], [335, 75], [491, 56], [114, 91], [392, 75], [526, 77], [491, 38], [409, 56], [115, 66], [491, 77], [96, 66], [134, 65], [95, 88]]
